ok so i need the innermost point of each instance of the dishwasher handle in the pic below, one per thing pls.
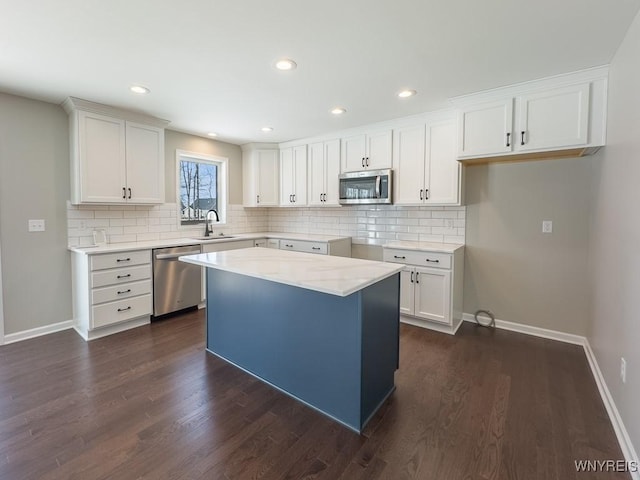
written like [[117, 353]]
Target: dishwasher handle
[[172, 256]]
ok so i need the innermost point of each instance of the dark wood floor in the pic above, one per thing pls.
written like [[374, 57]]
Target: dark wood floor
[[151, 403]]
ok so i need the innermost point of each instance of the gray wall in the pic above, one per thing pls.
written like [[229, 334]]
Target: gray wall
[[183, 141], [511, 267], [615, 237], [34, 183]]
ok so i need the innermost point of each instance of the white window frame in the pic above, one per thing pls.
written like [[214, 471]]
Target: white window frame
[[223, 182]]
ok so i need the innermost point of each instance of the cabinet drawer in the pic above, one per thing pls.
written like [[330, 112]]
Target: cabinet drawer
[[124, 259], [304, 246], [222, 246], [413, 257], [119, 292], [116, 276], [114, 312]]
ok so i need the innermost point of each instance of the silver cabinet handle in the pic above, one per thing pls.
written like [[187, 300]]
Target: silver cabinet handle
[[367, 161], [426, 194], [508, 139], [290, 246], [124, 309], [294, 198], [257, 198], [421, 190], [124, 276], [124, 291], [362, 162], [522, 137], [315, 248], [417, 277], [123, 260], [411, 277], [124, 192], [433, 261], [401, 258]]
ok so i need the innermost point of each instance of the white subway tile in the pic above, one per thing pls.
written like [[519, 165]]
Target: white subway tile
[[108, 214], [444, 214], [80, 214], [122, 238], [121, 222], [134, 229]]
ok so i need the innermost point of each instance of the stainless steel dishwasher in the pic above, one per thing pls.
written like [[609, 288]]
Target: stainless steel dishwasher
[[176, 285]]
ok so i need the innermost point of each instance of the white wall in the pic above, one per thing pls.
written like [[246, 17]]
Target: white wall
[[614, 254], [1, 303]]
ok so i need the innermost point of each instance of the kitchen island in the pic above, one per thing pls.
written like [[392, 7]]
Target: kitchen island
[[322, 329]]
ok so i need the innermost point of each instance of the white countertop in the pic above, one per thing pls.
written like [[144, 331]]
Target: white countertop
[[323, 273], [177, 242], [424, 246]]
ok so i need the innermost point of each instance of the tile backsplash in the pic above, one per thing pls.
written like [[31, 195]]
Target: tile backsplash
[[373, 224], [143, 223]]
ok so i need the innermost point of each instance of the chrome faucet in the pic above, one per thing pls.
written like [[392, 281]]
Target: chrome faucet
[[208, 231]]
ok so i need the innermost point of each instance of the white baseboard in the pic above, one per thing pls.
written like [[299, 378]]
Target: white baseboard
[[614, 415], [529, 330], [616, 421], [36, 332]]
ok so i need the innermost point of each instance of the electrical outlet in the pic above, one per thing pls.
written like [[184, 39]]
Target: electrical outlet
[[36, 225], [547, 226], [623, 370]]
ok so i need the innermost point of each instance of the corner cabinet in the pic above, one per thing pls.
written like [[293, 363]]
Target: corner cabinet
[[260, 175], [323, 171], [425, 165], [564, 116], [117, 157], [430, 287]]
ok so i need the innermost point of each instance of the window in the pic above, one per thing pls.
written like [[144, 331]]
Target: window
[[201, 181]]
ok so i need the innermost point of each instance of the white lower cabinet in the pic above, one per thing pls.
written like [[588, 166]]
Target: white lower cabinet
[[338, 248], [111, 292], [430, 287], [222, 246]]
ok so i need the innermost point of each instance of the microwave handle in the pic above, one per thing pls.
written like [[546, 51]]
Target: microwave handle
[[378, 179]]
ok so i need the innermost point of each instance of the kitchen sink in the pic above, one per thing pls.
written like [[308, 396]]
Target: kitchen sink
[[213, 237]]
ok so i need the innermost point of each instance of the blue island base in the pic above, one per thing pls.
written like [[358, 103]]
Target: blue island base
[[335, 354]]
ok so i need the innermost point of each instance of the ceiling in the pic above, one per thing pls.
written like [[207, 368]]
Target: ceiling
[[209, 63]]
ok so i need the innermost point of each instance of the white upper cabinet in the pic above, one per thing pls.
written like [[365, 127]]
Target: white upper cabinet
[[486, 128], [425, 166], [324, 168], [145, 163], [293, 176], [371, 151], [260, 176], [557, 116], [116, 156], [553, 119]]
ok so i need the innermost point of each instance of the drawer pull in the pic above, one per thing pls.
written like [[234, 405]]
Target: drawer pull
[[124, 309], [315, 248], [124, 291], [401, 258], [417, 277], [433, 261], [124, 276], [290, 246], [123, 260], [412, 277]]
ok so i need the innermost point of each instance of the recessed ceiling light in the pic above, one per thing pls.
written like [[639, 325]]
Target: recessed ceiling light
[[267, 129], [286, 64], [139, 89], [338, 111], [212, 134], [407, 93]]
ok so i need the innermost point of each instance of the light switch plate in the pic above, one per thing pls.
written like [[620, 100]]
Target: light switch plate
[[36, 225], [547, 226]]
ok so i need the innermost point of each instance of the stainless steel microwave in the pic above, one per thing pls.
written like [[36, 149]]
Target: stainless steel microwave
[[366, 187]]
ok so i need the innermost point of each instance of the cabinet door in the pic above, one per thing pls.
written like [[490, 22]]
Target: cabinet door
[[316, 174], [145, 163], [379, 150], [353, 153], [407, 291], [556, 118], [486, 129], [286, 176], [102, 158], [300, 175], [433, 294], [267, 177], [331, 172], [442, 168], [408, 164]]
